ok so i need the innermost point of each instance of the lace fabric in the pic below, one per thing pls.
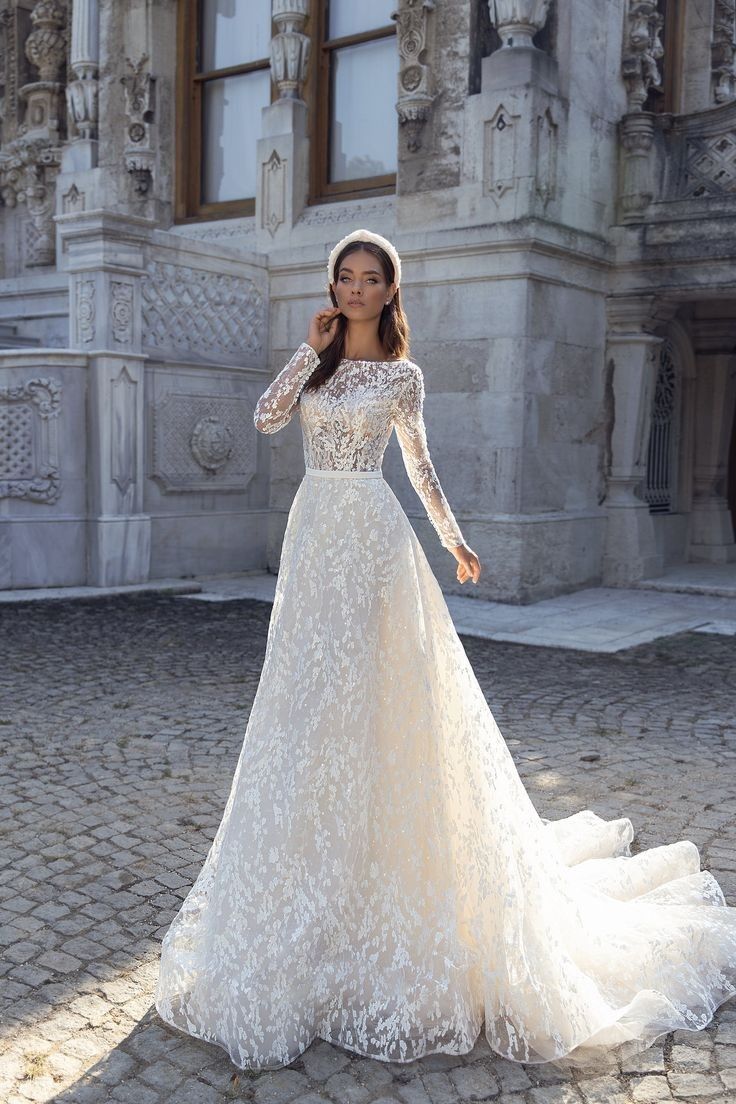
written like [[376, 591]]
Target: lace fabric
[[347, 423], [380, 877]]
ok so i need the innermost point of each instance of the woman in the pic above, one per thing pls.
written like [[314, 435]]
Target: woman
[[380, 877]]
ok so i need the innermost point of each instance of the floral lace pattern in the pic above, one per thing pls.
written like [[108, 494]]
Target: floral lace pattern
[[346, 423], [380, 877]]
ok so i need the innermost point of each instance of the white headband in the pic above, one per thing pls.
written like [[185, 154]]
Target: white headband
[[369, 236]]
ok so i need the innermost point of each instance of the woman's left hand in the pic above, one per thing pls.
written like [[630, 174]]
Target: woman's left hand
[[468, 564]]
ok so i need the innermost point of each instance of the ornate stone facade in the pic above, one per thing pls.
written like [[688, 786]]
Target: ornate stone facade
[[564, 210]]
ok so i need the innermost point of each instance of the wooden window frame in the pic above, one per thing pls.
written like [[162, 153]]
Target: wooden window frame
[[318, 94], [188, 205]]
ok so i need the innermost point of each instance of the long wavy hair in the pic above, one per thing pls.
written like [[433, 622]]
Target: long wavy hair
[[393, 328]]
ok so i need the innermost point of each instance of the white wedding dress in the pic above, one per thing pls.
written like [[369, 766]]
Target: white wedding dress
[[380, 877]]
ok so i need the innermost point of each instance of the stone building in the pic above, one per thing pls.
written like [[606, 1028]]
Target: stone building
[[559, 178]]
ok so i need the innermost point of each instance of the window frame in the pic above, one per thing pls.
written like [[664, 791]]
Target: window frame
[[188, 203], [318, 94]]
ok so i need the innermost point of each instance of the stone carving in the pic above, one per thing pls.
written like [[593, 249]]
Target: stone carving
[[123, 431], [121, 307], [210, 313], [140, 111], [273, 191], [637, 135], [203, 442], [710, 166], [29, 465], [546, 157], [723, 50], [499, 153], [82, 93], [73, 200], [642, 51], [211, 443], [86, 310], [416, 94], [290, 47], [329, 214], [517, 21], [46, 44]]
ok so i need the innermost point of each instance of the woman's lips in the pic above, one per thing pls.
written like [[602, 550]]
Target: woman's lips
[[356, 304]]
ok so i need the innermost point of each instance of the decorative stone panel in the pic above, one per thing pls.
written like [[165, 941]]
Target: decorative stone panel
[[210, 313], [29, 462], [203, 442]]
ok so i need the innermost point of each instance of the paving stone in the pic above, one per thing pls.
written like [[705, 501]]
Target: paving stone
[[474, 1082], [649, 1090], [603, 1090], [322, 1059], [281, 1086], [686, 1085], [555, 1094], [693, 1059]]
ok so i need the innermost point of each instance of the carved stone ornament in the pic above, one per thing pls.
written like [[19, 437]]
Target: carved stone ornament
[[642, 51], [290, 47], [723, 50], [140, 89], [416, 93], [211, 443], [46, 44], [202, 442], [28, 171], [29, 466], [518, 21]]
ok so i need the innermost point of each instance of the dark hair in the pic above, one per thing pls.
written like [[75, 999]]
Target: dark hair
[[393, 328]]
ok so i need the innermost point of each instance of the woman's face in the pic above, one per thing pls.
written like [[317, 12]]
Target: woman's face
[[360, 288]]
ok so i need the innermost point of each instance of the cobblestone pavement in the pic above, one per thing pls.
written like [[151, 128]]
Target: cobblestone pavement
[[121, 722]]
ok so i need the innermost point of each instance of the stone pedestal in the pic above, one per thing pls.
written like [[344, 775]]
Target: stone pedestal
[[711, 529], [106, 260], [283, 182]]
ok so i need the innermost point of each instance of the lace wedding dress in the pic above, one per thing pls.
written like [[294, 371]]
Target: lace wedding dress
[[380, 877]]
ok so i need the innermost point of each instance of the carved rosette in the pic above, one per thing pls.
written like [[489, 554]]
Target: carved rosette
[[517, 21], [211, 443], [140, 87], [416, 94], [637, 135], [642, 51], [723, 50], [29, 462], [290, 47]]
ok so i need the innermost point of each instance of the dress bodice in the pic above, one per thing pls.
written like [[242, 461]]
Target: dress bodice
[[347, 422]]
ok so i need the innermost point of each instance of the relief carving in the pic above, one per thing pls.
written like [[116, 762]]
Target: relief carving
[[416, 94], [29, 461], [210, 313], [203, 442]]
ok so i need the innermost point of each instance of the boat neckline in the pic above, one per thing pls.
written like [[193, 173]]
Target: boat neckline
[[362, 360]]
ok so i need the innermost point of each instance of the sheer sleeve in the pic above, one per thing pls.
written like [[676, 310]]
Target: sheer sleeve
[[278, 402], [412, 437]]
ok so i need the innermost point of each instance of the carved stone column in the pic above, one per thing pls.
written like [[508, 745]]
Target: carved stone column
[[632, 355], [283, 151], [517, 21], [640, 69], [711, 530], [416, 92], [106, 258], [82, 93]]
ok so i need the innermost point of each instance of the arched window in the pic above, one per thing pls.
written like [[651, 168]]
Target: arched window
[[660, 485]]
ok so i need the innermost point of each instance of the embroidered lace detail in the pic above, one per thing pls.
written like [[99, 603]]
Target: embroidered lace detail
[[347, 423]]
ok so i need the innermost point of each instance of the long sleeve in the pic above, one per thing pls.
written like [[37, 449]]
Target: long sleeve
[[412, 436], [278, 402]]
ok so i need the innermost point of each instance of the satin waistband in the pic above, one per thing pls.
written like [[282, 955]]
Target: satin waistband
[[340, 473]]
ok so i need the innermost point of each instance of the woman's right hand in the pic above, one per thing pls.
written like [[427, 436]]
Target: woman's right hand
[[322, 328]]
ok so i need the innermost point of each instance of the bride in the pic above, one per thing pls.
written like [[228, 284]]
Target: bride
[[380, 878]]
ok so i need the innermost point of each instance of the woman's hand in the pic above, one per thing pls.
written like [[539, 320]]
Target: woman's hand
[[468, 564], [322, 328]]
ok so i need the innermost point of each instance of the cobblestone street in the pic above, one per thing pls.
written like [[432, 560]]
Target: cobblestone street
[[121, 722]]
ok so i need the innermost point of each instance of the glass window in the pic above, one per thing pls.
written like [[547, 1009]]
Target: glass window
[[349, 17], [234, 32], [364, 124], [231, 117]]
